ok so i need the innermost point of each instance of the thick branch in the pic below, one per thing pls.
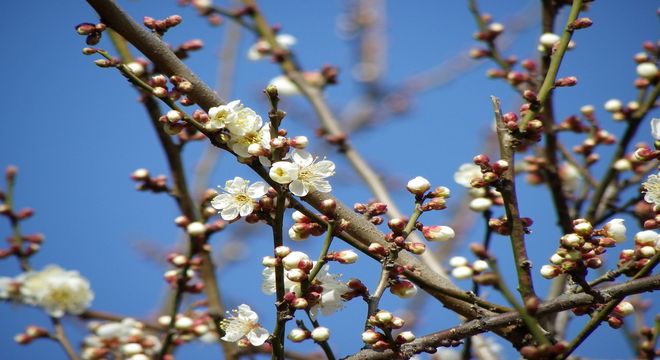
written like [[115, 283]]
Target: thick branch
[[477, 326]]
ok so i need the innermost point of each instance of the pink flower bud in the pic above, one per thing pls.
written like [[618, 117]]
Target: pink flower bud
[[404, 289]]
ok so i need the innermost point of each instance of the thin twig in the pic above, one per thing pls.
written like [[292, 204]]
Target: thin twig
[[60, 337], [508, 190]]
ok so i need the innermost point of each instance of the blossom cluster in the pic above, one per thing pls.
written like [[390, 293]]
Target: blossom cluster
[[647, 244], [386, 321], [470, 175], [582, 249], [56, 290], [127, 339], [325, 293]]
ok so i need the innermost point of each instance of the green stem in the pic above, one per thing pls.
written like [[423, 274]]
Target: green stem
[[507, 187], [549, 81], [322, 260]]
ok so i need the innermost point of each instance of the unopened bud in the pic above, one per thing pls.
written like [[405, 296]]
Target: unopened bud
[[321, 334]]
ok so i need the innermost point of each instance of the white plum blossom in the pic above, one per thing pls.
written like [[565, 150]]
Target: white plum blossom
[[331, 297], [652, 189], [244, 120], [307, 174], [243, 322], [465, 173], [655, 128], [220, 116], [257, 134], [56, 290], [284, 172], [259, 49], [238, 198]]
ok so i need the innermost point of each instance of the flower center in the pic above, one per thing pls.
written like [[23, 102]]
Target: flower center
[[242, 198]]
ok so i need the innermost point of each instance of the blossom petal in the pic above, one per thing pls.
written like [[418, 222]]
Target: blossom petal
[[221, 201], [298, 188], [245, 313], [246, 209], [302, 158], [258, 336], [324, 168], [257, 190], [229, 213], [322, 185]]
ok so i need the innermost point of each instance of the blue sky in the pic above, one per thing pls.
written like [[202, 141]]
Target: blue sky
[[76, 132]]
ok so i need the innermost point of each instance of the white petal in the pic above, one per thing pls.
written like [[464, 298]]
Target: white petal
[[246, 209], [257, 190], [258, 336], [655, 128], [232, 336], [302, 158], [245, 313], [222, 201], [322, 185], [229, 213], [324, 168], [298, 188]]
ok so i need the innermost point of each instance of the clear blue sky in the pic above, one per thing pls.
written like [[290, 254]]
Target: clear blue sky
[[76, 132]]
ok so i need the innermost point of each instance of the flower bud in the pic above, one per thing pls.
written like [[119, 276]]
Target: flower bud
[[418, 185], [346, 257], [282, 251], [183, 323], [583, 228], [549, 271], [269, 261], [370, 337], [297, 335], [624, 309], [457, 261], [196, 229], [404, 289], [480, 266], [548, 40], [405, 337], [613, 105], [377, 249], [480, 204], [616, 230], [384, 316], [321, 334], [300, 303], [416, 248], [438, 233], [462, 272], [296, 275], [292, 260], [581, 23], [571, 240], [647, 70], [131, 349]]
